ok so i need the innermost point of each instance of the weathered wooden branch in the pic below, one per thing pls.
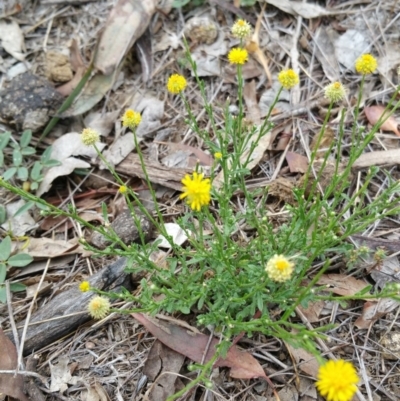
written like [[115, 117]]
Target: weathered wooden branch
[[55, 315]]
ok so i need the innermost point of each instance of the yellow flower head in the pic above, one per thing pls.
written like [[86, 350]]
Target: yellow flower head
[[279, 268], [337, 380], [84, 286], [99, 307], [196, 190], [176, 84], [238, 56], [241, 29], [123, 189], [366, 64], [131, 119], [288, 78], [335, 92], [90, 137], [218, 155]]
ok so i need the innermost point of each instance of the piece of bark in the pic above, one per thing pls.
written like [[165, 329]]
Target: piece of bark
[[71, 302], [125, 228]]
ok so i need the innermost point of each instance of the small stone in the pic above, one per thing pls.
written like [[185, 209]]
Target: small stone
[[201, 30], [58, 67], [29, 102]]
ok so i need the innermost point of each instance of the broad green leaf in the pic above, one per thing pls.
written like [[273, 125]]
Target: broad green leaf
[[22, 173], [25, 138], [17, 287], [17, 157], [3, 272], [1, 158], [5, 248], [9, 173], [34, 186], [4, 139], [36, 169], [28, 151], [20, 260], [3, 294], [46, 155], [24, 208]]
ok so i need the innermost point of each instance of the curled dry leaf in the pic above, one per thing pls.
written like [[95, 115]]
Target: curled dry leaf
[[375, 113]]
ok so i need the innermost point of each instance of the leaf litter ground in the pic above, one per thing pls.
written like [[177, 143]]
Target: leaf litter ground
[[107, 359]]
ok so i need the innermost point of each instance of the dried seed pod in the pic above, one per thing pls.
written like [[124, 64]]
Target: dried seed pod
[[201, 30]]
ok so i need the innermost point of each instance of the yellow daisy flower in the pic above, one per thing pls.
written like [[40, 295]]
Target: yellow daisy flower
[[89, 136], [335, 92], [366, 64], [218, 155], [196, 190], [241, 29], [99, 307], [238, 56], [279, 268], [337, 380], [288, 78], [176, 84], [131, 119], [84, 286]]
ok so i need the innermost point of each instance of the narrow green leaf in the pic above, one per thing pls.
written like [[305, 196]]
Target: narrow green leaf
[[51, 163], [42, 207], [1, 158], [3, 295], [3, 272], [3, 214], [5, 248], [20, 260], [24, 208]]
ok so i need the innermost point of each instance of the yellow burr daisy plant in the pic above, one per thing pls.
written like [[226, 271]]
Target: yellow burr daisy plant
[[99, 307], [131, 119], [196, 190], [241, 29], [335, 92], [238, 56], [366, 64], [90, 137], [279, 268], [337, 380], [176, 84], [123, 189], [288, 78], [84, 286]]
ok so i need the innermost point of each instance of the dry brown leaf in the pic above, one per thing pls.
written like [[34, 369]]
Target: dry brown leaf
[[9, 384], [341, 284], [306, 361], [162, 359], [327, 138], [201, 156], [250, 97], [313, 310], [297, 163], [375, 113], [372, 311], [126, 23], [193, 345], [305, 10]]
